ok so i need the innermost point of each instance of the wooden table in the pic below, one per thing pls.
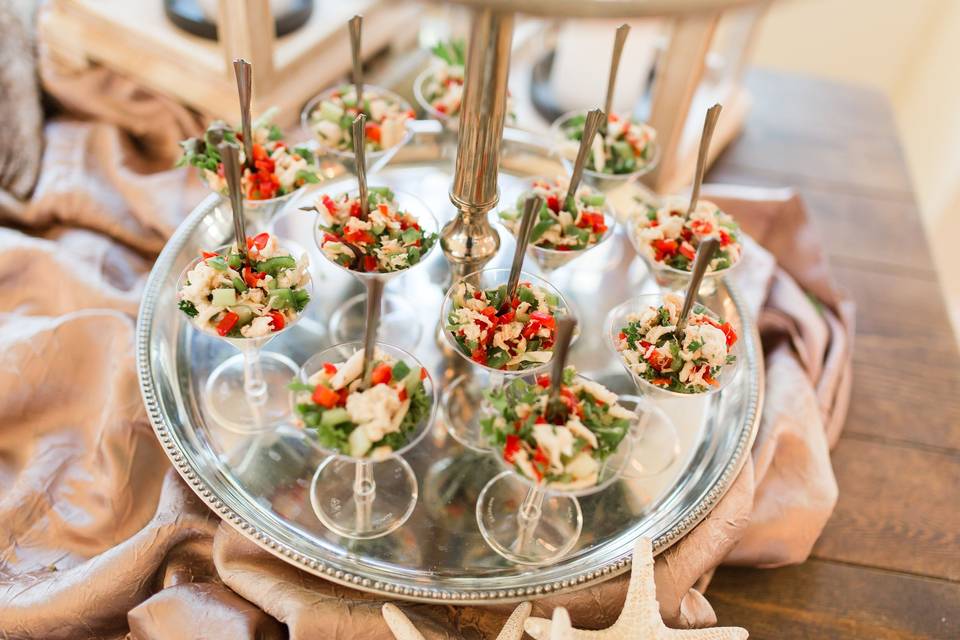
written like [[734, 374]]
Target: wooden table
[[888, 563]]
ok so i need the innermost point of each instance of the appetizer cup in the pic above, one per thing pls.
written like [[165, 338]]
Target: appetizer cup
[[465, 394], [244, 394], [449, 122], [549, 260], [400, 323], [670, 278], [369, 496], [376, 160], [533, 521], [566, 150], [621, 315]]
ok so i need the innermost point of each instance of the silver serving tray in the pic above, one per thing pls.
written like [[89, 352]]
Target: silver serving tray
[[259, 484]]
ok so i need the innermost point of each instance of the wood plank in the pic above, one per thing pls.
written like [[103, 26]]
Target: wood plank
[[821, 599], [897, 509], [853, 224], [804, 127], [903, 320]]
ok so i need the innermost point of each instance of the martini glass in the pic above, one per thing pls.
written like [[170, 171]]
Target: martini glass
[[376, 159], [605, 182], [245, 393], [465, 394], [450, 122], [551, 260], [400, 324], [670, 278], [535, 523], [362, 498]]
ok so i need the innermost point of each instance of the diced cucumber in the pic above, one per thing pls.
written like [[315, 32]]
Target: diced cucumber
[[333, 417], [526, 295], [235, 261], [497, 359], [410, 235], [540, 228], [377, 229], [281, 299], [330, 111], [276, 264], [224, 297], [594, 200], [244, 313], [412, 380], [359, 443], [239, 284]]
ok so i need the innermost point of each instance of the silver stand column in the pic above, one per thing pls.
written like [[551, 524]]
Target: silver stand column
[[469, 241]]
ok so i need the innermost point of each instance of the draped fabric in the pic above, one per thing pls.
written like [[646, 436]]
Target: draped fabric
[[99, 538]]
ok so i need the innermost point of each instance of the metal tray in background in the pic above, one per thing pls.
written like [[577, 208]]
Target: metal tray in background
[[259, 484]]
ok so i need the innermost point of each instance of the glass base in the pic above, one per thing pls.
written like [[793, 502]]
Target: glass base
[[226, 400], [531, 542], [461, 404], [655, 441], [388, 506], [399, 322]]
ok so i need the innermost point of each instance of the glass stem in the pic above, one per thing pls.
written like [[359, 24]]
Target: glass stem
[[253, 383], [364, 491], [529, 515]]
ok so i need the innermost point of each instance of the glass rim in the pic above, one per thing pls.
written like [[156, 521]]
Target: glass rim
[[609, 217], [648, 166], [425, 213], [356, 345], [243, 340], [654, 265], [622, 452], [727, 373], [311, 106], [524, 276]]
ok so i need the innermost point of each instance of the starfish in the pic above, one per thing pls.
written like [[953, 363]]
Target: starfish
[[640, 618], [403, 629]]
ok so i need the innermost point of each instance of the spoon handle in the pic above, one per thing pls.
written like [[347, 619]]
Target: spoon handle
[[619, 40], [590, 127], [360, 159], [231, 170], [709, 124], [244, 73], [530, 210], [561, 350], [356, 25], [374, 299], [704, 255]]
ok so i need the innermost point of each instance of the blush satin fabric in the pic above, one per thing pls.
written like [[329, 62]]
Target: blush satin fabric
[[99, 538]]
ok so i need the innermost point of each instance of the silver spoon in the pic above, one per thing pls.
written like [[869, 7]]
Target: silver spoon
[[709, 124], [530, 210], [230, 155], [619, 40], [356, 24], [374, 298], [590, 128], [360, 159], [556, 410], [244, 73], [705, 252]]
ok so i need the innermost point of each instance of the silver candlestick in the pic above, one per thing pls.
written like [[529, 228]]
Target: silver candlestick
[[468, 240]]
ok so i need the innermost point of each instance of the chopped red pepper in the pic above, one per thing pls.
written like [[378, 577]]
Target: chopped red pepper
[[325, 396], [729, 333], [661, 382], [507, 317], [329, 368], [259, 241], [545, 319], [724, 238], [372, 131], [479, 355], [544, 380], [329, 203], [553, 203], [227, 323], [423, 373], [381, 374], [511, 448], [701, 227], [369, 264], [687, 250], [276, 320], [251, 277], [659, 361], [209, 254]]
